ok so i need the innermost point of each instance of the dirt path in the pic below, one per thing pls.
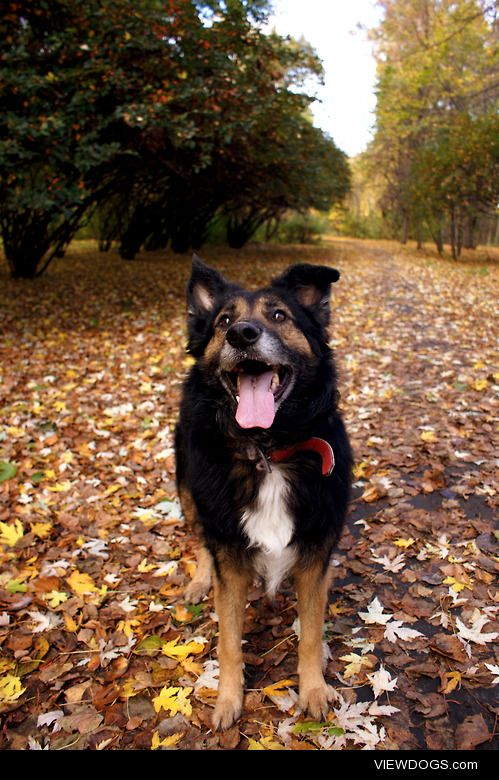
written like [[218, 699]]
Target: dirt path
[[97, 648]]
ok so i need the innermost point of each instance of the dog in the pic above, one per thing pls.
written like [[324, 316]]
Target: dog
[[263, 459]]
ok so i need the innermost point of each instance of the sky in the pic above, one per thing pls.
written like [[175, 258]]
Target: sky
[[331, 26]]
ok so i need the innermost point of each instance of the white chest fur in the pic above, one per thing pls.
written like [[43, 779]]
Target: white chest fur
[[269, 527]]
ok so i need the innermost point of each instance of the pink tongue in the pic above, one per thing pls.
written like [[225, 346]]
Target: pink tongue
[[256, 401]]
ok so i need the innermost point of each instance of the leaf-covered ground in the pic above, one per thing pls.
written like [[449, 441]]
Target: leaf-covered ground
[[98, 649]]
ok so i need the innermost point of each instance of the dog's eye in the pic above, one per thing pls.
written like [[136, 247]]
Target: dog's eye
[[224, 321], [279, 315]]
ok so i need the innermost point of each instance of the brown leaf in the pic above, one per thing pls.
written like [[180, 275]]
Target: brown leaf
[[471, 732]]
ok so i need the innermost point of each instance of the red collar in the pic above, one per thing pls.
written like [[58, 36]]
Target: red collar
[[320, 446]]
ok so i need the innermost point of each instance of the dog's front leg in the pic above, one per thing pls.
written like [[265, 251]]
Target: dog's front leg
[[231, 588], [312, 587]]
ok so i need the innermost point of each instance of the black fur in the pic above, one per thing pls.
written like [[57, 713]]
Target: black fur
[[215, 457]]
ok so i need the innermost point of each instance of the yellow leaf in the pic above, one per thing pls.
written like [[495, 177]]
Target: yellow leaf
[[70, 624], [10, 689], [144, 567], [129, 688], [81, 583], [50, 474], [170, 741], [15, 432], [10, 534], [453, 680], [126, 626], [254, 745], [480, 384], [193, 667], [356, 664], [456, 585], [359, 470], [112, 489], [41, 529], [405, 543], [60, 487], [173, 700], [55, 597], [428, 436], [173, 650], [188, 361], [270, 744], [278, 688]]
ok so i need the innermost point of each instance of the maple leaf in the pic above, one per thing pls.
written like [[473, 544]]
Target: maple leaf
[[456, 585], [494, 670], [173, 650], [10, 534], [452, 680], [55, 597], [10, 689], [405, 543], [382, 681], [173, 700], [394, 631], [128, 605], [41, 530], [374, 614], [390, 564], [81, 583], [355, 665], [209, 676], [44, 621], [49, 718], [280, 694], [429, 436], [170, 741], [474, 633]]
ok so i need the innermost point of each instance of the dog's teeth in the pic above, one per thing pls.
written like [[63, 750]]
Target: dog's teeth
[[237, 398], [275, 382]]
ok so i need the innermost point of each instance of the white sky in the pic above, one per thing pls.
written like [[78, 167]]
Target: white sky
[[348, 99]]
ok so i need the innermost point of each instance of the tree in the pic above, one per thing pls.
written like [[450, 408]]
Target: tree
[[437, 95], [176, 111]]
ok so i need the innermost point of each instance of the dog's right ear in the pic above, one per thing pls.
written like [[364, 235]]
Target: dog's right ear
[[205, 287]]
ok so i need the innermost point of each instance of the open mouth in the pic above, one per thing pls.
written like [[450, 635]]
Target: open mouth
[[257, 387]]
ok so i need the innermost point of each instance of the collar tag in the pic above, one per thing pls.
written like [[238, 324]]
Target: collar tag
[[320, 446]]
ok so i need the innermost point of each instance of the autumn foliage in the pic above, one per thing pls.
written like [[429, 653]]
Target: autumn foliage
[[98, 649]]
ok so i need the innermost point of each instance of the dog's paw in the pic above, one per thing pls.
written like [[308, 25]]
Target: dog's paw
[[316, 700], [227, 711], [196, 591]]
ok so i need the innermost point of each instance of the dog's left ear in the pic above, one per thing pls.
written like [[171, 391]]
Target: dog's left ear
[[311, 286]]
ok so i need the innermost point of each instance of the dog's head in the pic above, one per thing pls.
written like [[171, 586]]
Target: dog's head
[[266, 350]]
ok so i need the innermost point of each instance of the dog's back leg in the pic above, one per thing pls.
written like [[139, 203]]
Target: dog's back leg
[[201, 582]]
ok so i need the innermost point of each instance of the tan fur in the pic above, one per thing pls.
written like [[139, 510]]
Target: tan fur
[[263, 309], [312, 587], [201, 582], [238, 309], [231, 587]]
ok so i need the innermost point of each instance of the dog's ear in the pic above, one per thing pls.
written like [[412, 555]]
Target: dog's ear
[[310, 285], [205, 287]]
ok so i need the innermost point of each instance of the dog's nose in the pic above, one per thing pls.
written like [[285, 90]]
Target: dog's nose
[[242, 334]]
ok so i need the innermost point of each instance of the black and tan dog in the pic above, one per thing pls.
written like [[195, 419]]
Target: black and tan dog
[[263, 459]]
